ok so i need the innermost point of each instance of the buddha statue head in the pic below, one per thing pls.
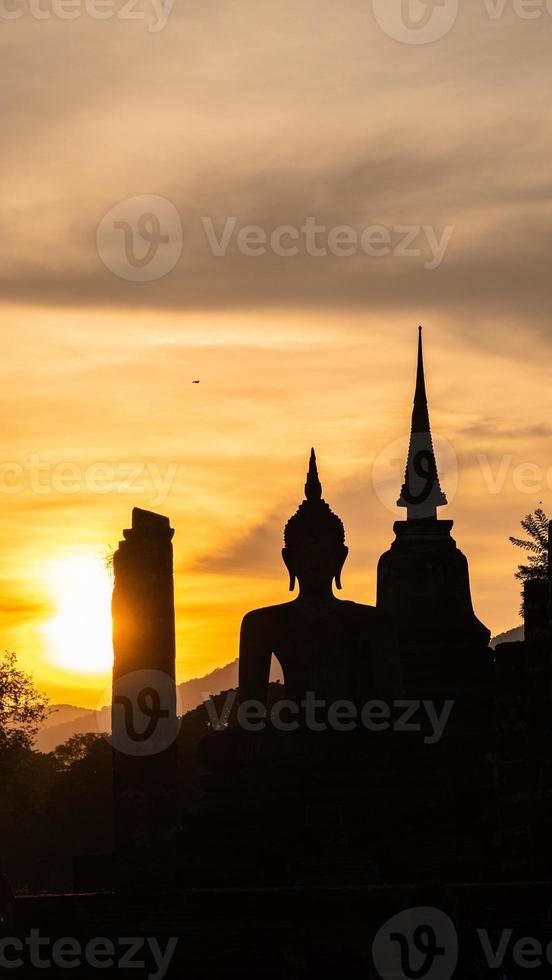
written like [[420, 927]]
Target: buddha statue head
[[315, 550]]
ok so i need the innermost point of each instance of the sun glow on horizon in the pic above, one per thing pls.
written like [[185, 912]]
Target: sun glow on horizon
[[79, 635]]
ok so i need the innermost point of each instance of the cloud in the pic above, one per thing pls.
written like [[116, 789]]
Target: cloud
[[495, 430], [257, 115], [496, 263], [16, 606], [256, 550]]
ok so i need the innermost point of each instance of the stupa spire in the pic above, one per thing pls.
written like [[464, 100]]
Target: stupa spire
[[421, 492], [420, 418]]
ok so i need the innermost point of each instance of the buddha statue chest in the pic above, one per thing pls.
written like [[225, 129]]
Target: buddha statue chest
[[326, 654]]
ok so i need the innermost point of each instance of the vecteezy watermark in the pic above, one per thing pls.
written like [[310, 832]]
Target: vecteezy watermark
[[527, 952], [44, 478], [318, 240], [156, 17], [528, 478], [129, 953], [388, 468], [140, 239], [145, 713], [497, 472], [317, 715], [423, 943], [419, 942], [416, 21], [524, 9], [426, 21]]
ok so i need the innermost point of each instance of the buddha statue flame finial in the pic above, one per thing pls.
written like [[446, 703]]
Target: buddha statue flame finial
[[313, 487]]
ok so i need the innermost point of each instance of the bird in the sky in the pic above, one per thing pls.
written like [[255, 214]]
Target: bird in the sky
[[195, 382]]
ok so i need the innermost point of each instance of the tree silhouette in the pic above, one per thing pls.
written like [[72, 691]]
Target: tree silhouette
[[22, 707], [75, 749], [537, 527]]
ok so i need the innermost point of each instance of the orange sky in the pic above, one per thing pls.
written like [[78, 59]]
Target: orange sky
[[266, 114]]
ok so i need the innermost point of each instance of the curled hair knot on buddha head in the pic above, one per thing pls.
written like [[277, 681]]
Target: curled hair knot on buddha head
[[314, 537]]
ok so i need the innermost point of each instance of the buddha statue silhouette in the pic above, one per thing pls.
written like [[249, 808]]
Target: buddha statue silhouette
[[331, 649]]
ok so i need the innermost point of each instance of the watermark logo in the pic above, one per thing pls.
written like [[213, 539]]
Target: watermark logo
[[388, 469], [424, 718], [317, 240], [140, 239], [153, 12], [100, 953], [417, 944], [416, 21], [144, 713], [45, 478]]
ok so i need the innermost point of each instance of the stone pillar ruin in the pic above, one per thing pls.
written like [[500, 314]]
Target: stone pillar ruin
[[144, 718]]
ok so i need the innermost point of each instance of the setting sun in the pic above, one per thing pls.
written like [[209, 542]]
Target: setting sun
[[79, 635]]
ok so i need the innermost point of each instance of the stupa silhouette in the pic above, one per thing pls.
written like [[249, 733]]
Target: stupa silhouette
[[423, 580]]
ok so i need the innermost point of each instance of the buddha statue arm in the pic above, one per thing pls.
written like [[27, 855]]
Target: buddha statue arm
[[255, 657]]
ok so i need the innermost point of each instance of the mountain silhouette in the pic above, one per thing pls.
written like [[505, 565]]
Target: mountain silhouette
[[66, 720], [514, 635]]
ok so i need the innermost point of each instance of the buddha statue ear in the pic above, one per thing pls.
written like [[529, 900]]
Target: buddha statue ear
[[340, 569], [291, 572]]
